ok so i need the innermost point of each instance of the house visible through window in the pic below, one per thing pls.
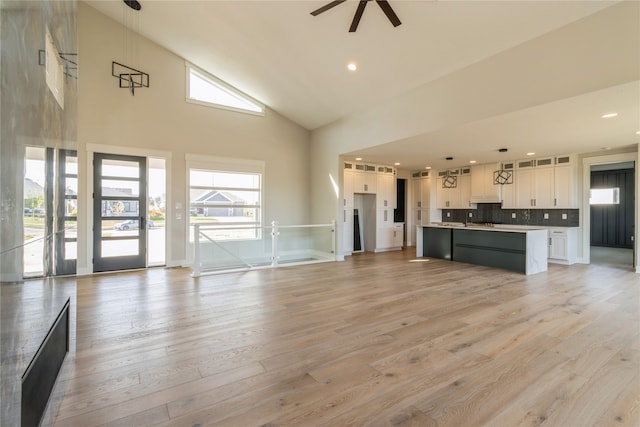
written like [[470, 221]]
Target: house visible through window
[[203, 88], [226, 198], [605, 196]]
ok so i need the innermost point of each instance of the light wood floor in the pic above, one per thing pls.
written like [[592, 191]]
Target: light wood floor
[[376, 340]]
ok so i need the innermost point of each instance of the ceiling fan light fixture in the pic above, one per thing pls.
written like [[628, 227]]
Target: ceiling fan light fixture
[[133, 4], [352, 66], [384, 5]]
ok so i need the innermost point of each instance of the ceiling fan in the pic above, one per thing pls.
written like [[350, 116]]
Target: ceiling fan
[[384, 5]]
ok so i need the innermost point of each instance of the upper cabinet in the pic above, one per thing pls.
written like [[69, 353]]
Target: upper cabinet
[[484, 189], [364, 178], [453, 189], [347, 187], [546, 183], [420, 200], [566, 188], [421, 184], [385, 188]]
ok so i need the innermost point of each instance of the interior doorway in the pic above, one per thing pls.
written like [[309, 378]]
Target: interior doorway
[[612, 214]]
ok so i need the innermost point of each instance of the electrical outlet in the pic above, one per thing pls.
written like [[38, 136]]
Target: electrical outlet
[[546, 216], [564, 216], [513, 215], [448, 214], [470, 214]]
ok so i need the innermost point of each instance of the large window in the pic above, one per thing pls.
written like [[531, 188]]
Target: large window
[[203, 88], [230, 199]]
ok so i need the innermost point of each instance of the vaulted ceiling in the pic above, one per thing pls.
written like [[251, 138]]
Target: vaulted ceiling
[[296, 63]]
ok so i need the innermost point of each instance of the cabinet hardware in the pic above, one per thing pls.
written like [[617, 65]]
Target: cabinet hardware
[[419, 204]]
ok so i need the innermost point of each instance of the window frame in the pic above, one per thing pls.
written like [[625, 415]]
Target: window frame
[[189, 68], [615, 196], [225, 165]]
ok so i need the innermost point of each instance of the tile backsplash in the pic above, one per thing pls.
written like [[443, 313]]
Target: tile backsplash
[[493, 212]]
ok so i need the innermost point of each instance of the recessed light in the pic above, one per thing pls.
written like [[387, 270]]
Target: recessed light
[[503, 150], [531, 154], [609, 115], [351, 66], [606, 148], [358, 158], [427, 167], [472, 161], [638, 132], [396, 164], [448, 158]]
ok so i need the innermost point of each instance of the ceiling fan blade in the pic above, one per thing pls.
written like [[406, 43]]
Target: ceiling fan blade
[[327, 7], [358, 15], [386, 8]]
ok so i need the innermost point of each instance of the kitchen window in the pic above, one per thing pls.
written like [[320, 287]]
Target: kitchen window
[[604, 196]]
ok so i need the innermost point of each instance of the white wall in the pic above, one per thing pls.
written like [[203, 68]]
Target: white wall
[[159, 120]]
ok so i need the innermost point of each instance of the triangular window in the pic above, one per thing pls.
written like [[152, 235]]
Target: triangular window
[[203, 88]]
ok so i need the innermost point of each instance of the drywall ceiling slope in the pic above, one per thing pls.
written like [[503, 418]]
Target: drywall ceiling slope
[[545, 95], [296, 63]]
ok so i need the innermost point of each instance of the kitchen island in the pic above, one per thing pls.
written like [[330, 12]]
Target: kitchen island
[[523, 250]]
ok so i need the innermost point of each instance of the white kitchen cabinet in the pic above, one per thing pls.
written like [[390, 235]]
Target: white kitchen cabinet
[[420, 189], [464, 190], [453, 189], [385, 188], [389, 235], [533, 186], [364, 179], [397, 235], [420, 200], [563, 245], [548, 183], [347, 185], [387, 232], [347, 231], [565, 185], [483, 188]]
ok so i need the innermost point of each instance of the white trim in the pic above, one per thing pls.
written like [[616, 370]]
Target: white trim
[[127, 151], [243, 165], [585, 213]]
